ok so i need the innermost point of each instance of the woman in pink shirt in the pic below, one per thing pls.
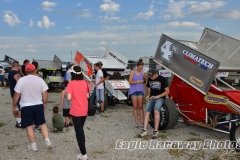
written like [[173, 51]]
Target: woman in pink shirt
[[77, 91]]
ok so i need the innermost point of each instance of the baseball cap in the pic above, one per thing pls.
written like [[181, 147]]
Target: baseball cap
[[29, 67], [99, 62]]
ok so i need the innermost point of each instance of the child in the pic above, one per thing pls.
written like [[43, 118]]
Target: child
[[57, 120], [2, 79], [65, 104]]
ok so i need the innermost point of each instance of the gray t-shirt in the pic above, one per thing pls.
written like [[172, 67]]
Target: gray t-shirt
[[66, 102]]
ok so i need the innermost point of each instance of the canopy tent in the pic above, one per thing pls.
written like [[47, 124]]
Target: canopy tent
[[220, 47]]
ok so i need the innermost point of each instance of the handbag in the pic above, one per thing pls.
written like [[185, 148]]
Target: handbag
[[91, 108]]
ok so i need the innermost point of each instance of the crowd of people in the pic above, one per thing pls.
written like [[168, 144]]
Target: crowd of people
[[29, 93]]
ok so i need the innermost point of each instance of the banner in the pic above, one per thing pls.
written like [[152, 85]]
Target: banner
[[165, 73], [84, 64], [193, 67], [222, 74]]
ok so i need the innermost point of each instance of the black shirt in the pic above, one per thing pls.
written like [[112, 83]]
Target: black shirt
[[23, 70], [157, 86], [105, 74], [12, 81]]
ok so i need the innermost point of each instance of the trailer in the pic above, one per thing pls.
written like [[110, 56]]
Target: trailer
[[51, 72], [7, 65], [113, 62], [195, 91]]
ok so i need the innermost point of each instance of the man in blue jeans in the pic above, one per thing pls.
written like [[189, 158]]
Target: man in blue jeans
[[157, 89]]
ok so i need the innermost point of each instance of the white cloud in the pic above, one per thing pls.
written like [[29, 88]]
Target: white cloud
[[84, 13], [191, 8], [31, 24], [30, 50], [109, 6], [107, 18], [96, 49], [103, 43], [11, 19], [8, 0], [45, 23], [69, 27], [183, 24], [227, 14], [79, 4], [4, 46], [204, 8], [147, 14], [47, 6]]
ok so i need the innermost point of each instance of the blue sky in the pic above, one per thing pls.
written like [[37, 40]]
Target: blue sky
[[39, 29]]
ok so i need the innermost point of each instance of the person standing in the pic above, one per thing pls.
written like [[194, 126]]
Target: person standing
[[136, 91], [156, 93], [22, 71], [67, 75], [13, 77], [34, 95], [99, 87], [65, 105], [105, 76], [78, 92], [2, 79]]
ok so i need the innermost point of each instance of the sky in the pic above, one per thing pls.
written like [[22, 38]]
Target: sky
[[41, 29]]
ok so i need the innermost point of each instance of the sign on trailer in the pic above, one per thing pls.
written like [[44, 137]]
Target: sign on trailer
[[195, 68]]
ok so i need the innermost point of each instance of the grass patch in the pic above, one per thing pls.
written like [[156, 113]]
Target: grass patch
[[2, 94], [176, 152], [99, 152], [6, 87], [128, 111], [147, 137], [194, 134], [2, 124], [116, 124], [163, 136], [51, 102], [11, 147], [7, 103], [163, 131], [104, 116], [88, 128], [194, 139]]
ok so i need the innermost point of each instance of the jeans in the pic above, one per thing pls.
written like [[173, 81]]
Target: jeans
[[78, 126], [155, 104], [93, 97]]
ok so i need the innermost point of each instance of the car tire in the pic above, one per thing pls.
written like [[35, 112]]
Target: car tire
[[235, 136], [168, 116]]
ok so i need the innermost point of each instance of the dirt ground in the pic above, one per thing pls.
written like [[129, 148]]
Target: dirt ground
[[109, 136]]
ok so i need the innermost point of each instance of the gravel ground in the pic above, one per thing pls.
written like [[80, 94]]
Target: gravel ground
[[102, 133]]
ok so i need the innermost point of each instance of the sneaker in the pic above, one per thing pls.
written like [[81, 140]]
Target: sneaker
[[18, 125], [66, 125], [101, 112], [155, 135], [141, 126], [136, 125], [49, 145], [143, 133], [82, 157], [36, 128], [70, 124], [32, 148]]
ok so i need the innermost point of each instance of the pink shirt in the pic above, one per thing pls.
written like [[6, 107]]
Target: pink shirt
[[79, 102]]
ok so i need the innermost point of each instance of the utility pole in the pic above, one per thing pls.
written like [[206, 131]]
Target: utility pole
[[71, 55]]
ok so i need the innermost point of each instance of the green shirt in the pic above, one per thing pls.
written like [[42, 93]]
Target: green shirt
[[57, 121]]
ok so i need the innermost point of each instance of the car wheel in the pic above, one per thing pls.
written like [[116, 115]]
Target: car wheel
[[235, 136], [168, 116]]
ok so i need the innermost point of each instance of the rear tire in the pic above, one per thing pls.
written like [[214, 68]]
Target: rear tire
[[235, 136], [168, 116]]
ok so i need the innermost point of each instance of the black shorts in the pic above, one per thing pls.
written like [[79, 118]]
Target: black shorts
[[32, 115], [66, 113]]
